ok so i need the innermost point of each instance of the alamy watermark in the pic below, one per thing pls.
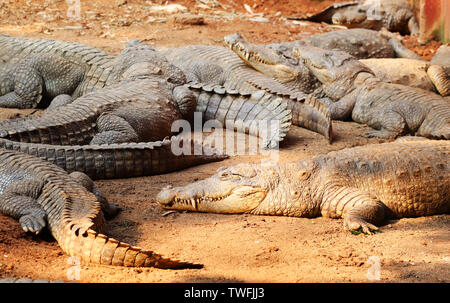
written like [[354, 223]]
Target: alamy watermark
[[74, 271], [374, 11], [224, 138], [73, 9], [374, 271]]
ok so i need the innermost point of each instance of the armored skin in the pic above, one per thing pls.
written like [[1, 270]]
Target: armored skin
[[363, 185], [110, 161], [410, 72], [394, 15], [41, 195], [391, 109], [34, 69], [215, 65], [277, 61], [144, 95]]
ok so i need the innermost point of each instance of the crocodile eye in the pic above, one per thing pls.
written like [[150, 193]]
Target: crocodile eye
[[227, 175]]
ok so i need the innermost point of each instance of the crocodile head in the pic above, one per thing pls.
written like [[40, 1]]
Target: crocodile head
[[350, 17], [262, 58], [262, 189], [335, 69]]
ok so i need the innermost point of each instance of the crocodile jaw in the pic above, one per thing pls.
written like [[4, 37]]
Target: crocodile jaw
[[260, 58], [318, 62], [239, 199]]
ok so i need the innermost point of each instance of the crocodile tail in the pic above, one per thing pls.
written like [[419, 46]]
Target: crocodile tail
[[125, 159], [245, 112], [96, 248], [76, 220], [440, 79], [313, 115]]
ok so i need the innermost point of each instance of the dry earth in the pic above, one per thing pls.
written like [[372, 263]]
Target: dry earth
[[233, 248]]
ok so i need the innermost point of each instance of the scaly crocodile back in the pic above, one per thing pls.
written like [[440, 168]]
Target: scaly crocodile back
[[411, 177]]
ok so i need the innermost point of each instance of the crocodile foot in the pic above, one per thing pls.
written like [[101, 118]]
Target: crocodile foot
[[34, 222], [382, 134], [355, 223]]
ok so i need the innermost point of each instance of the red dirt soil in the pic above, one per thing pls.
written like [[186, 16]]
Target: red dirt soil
[[233, 248]]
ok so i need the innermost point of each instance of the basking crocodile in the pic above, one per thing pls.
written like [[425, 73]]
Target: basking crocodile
[[33, 69], [394, 15], [361, 43], [363, 185], [145, 96], [41, 195], [278, 62], [410, 72], [215, 65], [391, 109]]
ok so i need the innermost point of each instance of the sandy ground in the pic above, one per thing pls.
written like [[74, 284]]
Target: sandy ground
[[233, 248]]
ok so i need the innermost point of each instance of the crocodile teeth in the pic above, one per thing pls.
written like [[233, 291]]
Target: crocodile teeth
[[194, 204]]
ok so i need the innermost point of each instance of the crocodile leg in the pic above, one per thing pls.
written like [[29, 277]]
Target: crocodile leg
[[28, 89], [59, 101], [110, 210], [386, 125], [19, 201], [359, 210], [113, 129], [342, 109]]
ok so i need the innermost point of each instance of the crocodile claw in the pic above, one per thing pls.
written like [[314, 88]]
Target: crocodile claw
[[32, 223], [355, 223]]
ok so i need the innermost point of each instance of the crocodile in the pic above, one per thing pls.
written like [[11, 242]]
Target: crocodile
[[145, 95], [216, 65], [277, 61], [42, 195], [391, 109], [410, 72], [34, 71], [394, 15], [363, 185]]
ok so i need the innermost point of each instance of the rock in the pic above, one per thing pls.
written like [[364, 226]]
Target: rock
[[259, 19], [120, 2], [168, 9], [187, 19]]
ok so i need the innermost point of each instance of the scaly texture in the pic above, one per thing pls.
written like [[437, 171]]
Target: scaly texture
[[364, 185], [144, 96], [35, 68], [30, 187], [278, 62], [410, 72], [391, 109], [394, 15], [213, 65], [122, 160]]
